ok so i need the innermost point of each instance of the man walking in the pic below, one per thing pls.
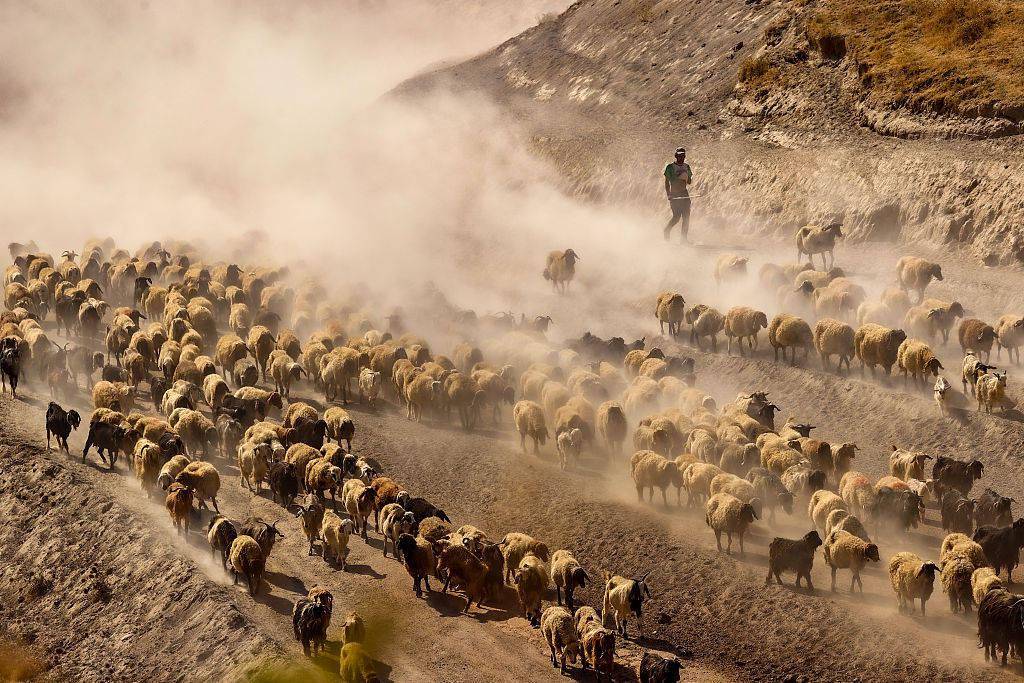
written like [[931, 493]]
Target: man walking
[[678, 176]]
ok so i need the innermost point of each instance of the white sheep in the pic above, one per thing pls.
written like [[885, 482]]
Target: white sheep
[[727, 514], [911, 578], [569, 443]]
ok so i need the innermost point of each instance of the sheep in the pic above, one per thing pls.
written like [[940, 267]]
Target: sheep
[[956, 474], [529, 420], [322, 476], [252, 464], [569, 443], [356, 665], [803, 480], [744, 322], [993, 509], [170, 470], [611, 425], [568, 574], [652, 470], [733, 485], [786, 554], [842, 519], [876, 345], [907, 464], [395, 521], [179, 506], [959, 544], [284, 370], [833, 337], [769, 490], [1002, 546], [842, 455], [422, 392], [197, 432], [560, 269], [789, 332], [418, 558], [916, 359], [983, 580], [737, 459], [335, 533], [360, 501], [957, 512], [369, 386], [727, 514], [844, 550], [822, 503], [991, 391], [221, 533], [648, 438], [671, 308], [911, 578], [464, 569], [115, 396], [729, 267], [111, 438], [977, 336], [514, 547], [780, 455], [624, 598], [817, 239], [913, 273], [697, 478], [942, 397], [204, 479], [340, 425], [556, 623], [956, 583], [834, 302], [705, 322], [353, 629], [1010, 335], [248, 560], [818, 278], [598, 648]]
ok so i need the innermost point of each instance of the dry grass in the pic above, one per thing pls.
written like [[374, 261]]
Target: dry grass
[[953, 56], [758, 73]]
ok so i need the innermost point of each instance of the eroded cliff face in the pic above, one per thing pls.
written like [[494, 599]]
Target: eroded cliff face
[[780, 129]]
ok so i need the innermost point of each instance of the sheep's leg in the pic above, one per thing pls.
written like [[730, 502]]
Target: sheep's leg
[[558, 591], [718, 540]]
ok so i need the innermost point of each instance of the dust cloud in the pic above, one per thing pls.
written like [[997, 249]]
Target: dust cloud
[[264, 132]]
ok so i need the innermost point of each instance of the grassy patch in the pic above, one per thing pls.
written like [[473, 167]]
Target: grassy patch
[[758, 73], [952, 56]]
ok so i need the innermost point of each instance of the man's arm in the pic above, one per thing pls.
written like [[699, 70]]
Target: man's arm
[[668, 186]]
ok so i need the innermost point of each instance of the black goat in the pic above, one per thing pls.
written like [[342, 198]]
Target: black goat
[[60, 423], [105, 437], [284, 486], [785, 554], [421, 508], [902, 507], [949, 473], [993, 509], [10, 364], [957, 513], [308, 622], [264, 534], [1002, 546], [655, 669], [1001, 624]]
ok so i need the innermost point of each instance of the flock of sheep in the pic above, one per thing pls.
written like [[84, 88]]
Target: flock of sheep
[[195, 341], [202, 337]]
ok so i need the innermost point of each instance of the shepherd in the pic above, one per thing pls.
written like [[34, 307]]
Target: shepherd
[[678, 177]]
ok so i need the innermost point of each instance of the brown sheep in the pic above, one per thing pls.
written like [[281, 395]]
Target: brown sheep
[[913, 273], [977, 336]]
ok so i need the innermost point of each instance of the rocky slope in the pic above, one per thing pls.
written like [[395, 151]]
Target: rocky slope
[[609, 87]]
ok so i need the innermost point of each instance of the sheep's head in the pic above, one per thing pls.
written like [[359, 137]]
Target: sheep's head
[[987, 334], [935, 270], [871, 552], [898, 336], [748, 513], [812, 539], [933, 366], [928, 571], [571, 257]]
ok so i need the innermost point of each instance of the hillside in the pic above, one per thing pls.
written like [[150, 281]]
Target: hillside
[[793, 111]]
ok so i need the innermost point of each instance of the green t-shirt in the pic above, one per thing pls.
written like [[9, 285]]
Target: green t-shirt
[[676, 183]]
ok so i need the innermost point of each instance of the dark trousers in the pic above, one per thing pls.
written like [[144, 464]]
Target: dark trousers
[[680, 214]]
